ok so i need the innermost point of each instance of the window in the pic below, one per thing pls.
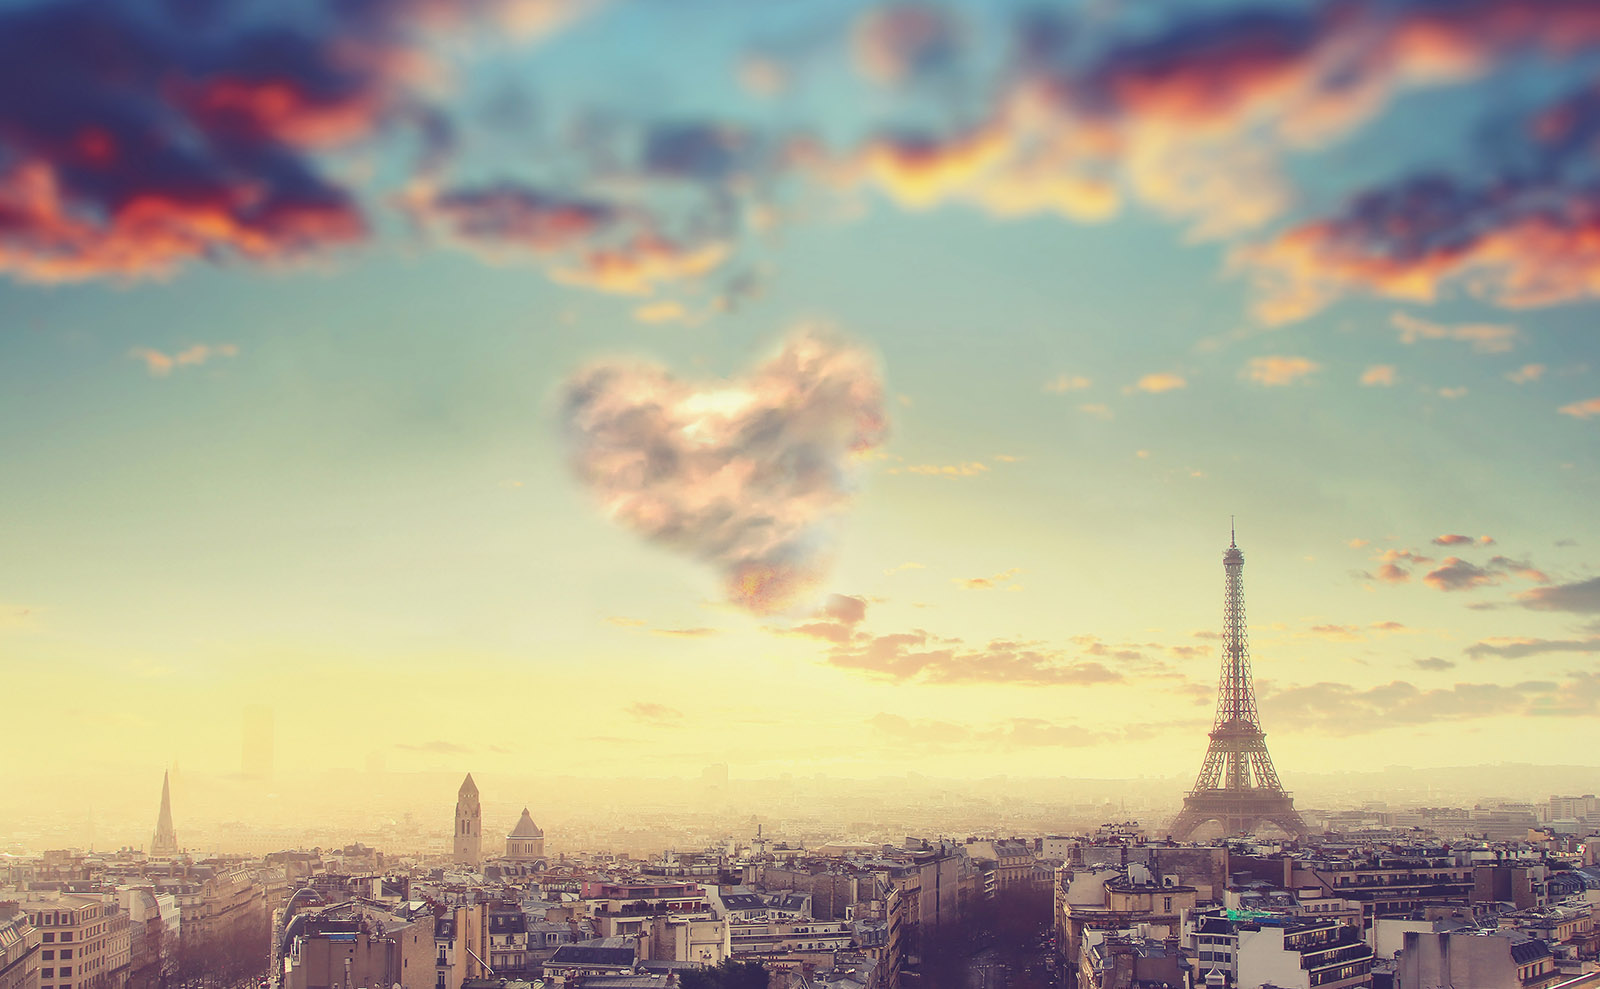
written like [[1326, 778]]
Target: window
[[47, 973], [48, 956], [66, 953], [66, 935], [49, 938]]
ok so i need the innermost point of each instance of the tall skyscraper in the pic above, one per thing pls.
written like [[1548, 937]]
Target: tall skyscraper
[[165, 840], [469, 826], [256, 756]]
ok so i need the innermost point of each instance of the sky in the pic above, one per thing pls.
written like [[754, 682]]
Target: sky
[[803, 386]]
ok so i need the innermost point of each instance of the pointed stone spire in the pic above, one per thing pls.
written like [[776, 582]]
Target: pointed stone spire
[[165, 841]]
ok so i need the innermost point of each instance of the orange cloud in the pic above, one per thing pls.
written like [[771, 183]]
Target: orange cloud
[[1588, 408], [1277, 370], [161, 364], [1526, 373], [1158, 382], [988, 583], [1378, 375]]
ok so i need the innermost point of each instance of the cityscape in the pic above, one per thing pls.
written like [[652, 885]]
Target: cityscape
[[799, 494]]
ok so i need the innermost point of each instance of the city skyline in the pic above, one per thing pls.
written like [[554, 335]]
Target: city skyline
[[582, 389]]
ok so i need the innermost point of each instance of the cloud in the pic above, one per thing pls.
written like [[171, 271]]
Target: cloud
[[988, 583], [1343, 709], [1276, 370], [1388, 626], [1456, 574], [699, 632], [1456, 392], [623, 622], [1338, 633], [1390, 570], [504, 217], [665, 311], [1526, 373], [1379, 374], [1582, 597], [970, 468], [835, 621], [1456, 539], [1096, 410], [1519, 648], [743, 474], [1013, 733], [1485, 338], [1161, 381], [651, 713], [1586, 409], [900, 43], [1192, 117], [161, 364], [1519, 234], [436, 747], [1067, 382], [1433, 663], [918, 657]]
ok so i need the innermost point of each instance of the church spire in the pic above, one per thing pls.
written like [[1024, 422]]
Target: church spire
[[165, 841]]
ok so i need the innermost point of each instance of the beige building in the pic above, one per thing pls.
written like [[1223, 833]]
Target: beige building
[[1107, 900], [19, 950], [72, 949]]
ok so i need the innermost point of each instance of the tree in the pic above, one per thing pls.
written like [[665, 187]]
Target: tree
[[728, 975]]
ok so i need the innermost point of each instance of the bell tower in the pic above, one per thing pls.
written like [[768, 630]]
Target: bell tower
[[469, 826]]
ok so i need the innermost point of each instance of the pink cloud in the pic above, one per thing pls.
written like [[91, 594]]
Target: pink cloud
[[744, 474]]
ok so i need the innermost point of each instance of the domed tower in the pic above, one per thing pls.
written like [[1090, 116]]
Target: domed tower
[[525, 843], [469, 826]]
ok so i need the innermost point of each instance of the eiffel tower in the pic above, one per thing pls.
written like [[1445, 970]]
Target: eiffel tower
[[1237, 785]]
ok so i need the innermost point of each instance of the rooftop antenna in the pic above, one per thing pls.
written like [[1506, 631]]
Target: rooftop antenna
[[1233, 539]]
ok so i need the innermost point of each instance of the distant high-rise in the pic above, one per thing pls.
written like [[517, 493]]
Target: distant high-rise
[[469, 826], [1237, 785], [165, 841], [256, 758]]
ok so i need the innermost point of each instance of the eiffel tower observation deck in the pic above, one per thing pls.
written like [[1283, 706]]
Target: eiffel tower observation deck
[[1237, 786]]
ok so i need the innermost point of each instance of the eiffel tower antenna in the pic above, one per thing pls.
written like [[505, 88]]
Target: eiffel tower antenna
[[1237, 785]]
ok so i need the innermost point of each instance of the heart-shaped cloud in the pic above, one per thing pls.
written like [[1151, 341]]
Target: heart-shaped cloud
[[743, 474]]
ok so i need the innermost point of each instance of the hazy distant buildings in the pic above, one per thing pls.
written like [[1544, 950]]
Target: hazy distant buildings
[[469, 825], [255, 760], [164, 843]]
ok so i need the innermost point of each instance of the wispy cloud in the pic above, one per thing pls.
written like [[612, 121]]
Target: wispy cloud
[[1067, 382], [1276, 370], [1158, 382], [989, 583], [161, 364], [1586, 409], [1379, 375]]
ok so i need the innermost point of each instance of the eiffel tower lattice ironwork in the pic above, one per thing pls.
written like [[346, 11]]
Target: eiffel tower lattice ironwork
[[1237, 785]]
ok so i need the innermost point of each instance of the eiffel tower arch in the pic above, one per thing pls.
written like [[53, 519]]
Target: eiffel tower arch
[[1237, 785]]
